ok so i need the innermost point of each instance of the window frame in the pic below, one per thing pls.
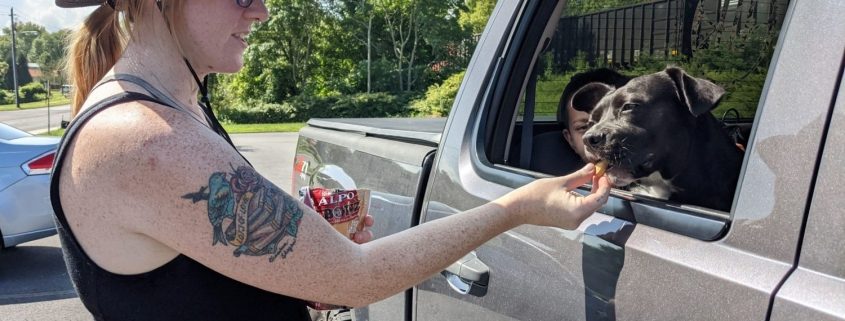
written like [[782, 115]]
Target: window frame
[[499, 109]]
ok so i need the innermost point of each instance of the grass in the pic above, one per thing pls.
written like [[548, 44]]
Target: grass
[[263, 128], [548, 95], [56, 99], [236, 128], [55, 132]]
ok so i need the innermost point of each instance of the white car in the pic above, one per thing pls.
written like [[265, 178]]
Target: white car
[[25, 165]]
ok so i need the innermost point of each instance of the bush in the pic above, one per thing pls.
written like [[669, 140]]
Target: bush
[[31, 92], [383, 76], [369, 105], [6, 97], [257, 113], [438, 99], [303, 108]]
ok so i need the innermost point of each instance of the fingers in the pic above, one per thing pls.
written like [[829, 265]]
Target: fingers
[[362, 236], [598, 197], [580, 177]]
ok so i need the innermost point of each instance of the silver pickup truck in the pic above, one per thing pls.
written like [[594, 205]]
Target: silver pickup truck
[[777, 254]]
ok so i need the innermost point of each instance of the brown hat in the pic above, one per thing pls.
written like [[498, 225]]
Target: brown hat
[[79, 3]]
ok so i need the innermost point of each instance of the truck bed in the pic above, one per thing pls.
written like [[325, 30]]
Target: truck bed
[[392, 157], [425, 131]]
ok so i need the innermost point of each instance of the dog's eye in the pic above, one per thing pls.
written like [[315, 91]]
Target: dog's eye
[[628, 107]]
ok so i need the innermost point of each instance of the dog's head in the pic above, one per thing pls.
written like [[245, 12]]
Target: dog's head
[[641, 127]]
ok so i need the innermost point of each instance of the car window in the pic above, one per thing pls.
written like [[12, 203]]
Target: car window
[[8, 132], [727, 41], [708, 56]]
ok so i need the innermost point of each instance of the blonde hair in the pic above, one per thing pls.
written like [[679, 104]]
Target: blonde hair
[[98, 44]]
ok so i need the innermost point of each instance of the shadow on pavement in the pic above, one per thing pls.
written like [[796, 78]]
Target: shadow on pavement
[[33, 274]]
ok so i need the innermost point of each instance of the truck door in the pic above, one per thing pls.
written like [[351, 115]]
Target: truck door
[[816, 286], [640, 257]]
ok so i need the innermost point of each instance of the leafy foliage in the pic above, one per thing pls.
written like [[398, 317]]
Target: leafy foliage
[[439, 98], [474, 18], [33, 44], [317, 51], [31, 92], [49, 50], [22, 72], [580, 7], [314, 57], [738, 64], [302, 108]]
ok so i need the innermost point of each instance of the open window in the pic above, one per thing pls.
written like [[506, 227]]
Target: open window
[[531, 127]]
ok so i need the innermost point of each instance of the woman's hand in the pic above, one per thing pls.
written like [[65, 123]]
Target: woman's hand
[[364, 235], [552, 201]]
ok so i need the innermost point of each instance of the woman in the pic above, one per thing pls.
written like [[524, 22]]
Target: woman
[[145, 177]]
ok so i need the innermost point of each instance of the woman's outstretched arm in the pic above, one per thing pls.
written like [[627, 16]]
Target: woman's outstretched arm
[[194, 194]]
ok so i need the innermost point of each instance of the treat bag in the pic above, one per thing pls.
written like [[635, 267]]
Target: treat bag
[[343, 209]]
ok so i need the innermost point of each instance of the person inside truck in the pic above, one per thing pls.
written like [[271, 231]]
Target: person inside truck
[[575, 123], [559, 153], [161, 218]]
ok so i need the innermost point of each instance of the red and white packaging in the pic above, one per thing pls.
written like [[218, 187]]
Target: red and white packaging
[[344, 209]]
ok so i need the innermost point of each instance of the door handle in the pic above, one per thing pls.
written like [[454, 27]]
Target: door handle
[[468, 275]]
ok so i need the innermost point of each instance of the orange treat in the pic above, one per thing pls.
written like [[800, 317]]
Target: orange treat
[[601, 167]]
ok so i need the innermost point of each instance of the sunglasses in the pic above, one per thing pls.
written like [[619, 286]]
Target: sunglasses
[[244, 3], [241, 3]]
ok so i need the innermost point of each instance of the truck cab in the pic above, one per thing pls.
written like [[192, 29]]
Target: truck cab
[[776, 254]]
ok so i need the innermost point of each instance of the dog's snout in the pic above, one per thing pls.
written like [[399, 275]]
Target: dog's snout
[[595, 139]]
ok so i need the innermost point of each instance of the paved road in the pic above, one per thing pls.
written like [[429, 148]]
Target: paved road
[[35, 120], [34, 284]]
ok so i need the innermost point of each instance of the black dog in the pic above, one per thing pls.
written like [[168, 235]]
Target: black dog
[[657, 133]]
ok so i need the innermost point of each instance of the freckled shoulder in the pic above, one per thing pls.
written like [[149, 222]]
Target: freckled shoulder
[[112, 166]]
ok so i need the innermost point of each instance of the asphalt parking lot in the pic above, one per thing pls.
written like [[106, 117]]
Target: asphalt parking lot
[[34, 284]]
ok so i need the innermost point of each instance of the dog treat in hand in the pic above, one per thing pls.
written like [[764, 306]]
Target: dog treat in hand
[[344, 209], [601, 167]]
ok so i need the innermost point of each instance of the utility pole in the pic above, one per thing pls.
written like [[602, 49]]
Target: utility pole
[[48, 106], [15, 63]]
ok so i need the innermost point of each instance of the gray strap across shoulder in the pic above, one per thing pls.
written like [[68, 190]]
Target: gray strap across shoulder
[[209, 116], [141, 83]]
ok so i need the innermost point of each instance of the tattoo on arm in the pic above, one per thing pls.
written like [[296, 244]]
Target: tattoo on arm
[[247, 211]]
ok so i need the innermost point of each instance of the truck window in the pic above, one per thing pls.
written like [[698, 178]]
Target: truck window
[[723, 43]]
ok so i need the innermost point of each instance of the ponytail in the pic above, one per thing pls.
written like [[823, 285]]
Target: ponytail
[[94, 49]]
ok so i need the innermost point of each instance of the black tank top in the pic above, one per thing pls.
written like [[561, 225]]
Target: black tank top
[[182, 289]]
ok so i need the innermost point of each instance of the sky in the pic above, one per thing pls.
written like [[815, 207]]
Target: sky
[[42, 12]]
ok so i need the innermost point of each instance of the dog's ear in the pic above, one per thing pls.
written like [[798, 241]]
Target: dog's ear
[[699, 95], [586, 98]]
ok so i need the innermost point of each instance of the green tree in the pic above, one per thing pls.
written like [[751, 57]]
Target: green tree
[[358, 18], [342, 47], [293, 31], [403, 23], [48, 50], [410, 23], [439, 98], [25, 35], [580, 7], [475, 15], [22, 71]]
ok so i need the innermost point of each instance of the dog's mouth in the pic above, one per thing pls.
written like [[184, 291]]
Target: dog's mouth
[[622, 172]]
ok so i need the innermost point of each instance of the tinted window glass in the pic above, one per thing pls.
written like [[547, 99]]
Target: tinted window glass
[[723, 43]]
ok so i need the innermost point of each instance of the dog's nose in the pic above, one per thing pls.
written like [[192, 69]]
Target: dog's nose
[[595, 139]]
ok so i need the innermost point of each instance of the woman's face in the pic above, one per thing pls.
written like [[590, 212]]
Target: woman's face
[[212, 33]]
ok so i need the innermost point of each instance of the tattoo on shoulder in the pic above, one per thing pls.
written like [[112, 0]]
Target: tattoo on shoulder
[[248, 212]]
